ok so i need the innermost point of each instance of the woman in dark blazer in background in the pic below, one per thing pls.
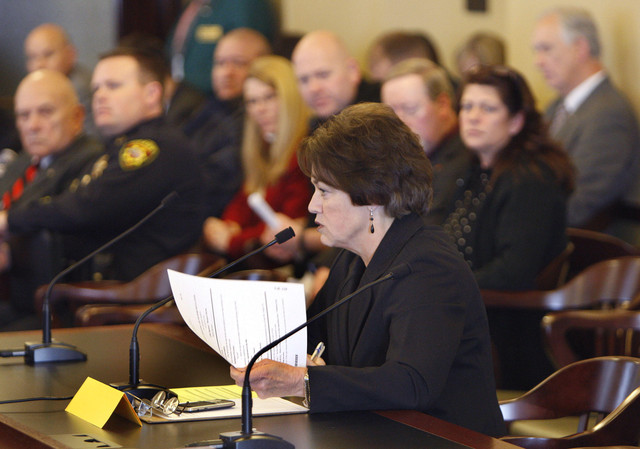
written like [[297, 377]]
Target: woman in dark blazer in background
[[509, 216]]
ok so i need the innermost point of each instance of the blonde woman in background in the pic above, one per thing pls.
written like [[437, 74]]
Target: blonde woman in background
[[276, 120]]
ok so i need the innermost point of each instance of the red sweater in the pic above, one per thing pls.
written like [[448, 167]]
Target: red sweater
[[290, 196]]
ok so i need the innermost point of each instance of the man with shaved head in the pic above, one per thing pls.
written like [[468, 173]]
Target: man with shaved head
[[49, 120], [329, 78], [48, 47]]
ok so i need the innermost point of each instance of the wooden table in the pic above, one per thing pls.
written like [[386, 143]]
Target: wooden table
[[172, 356]]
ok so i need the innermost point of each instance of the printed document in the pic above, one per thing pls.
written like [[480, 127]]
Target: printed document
[[237, 318]]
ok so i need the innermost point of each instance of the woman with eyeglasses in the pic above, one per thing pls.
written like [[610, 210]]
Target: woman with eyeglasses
[[508, 218], [275, 122]]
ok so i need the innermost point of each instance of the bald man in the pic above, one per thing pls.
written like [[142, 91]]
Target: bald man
[[48, 47], [216, 129], [49, 120], [329, 78]]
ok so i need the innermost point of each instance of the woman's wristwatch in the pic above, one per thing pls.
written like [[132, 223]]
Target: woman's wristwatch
[[307, 391]]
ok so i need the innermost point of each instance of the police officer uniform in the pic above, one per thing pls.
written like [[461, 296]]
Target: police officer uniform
[[139, 169]]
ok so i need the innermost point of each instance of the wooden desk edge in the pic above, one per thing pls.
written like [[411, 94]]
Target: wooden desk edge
[[15, 435], [444, 429]]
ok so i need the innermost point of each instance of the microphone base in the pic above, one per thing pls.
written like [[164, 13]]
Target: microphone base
[[52, 353], [141, 390], [253, 440]]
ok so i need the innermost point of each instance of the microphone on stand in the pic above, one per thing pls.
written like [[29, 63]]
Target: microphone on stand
[[249, 438], [148, 391], [54, 352]]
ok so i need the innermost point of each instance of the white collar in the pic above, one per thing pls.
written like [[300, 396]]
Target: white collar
[[576, 97]]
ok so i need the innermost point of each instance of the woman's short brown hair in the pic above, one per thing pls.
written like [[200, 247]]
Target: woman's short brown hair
[[369, 153]]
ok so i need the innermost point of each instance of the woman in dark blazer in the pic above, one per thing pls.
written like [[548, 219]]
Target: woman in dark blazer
[[419, 342], [508, 220]]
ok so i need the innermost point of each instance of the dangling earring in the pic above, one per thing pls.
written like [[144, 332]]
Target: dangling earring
[[372, 229]]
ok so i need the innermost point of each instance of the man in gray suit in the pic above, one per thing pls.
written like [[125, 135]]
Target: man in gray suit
[[591, 118]]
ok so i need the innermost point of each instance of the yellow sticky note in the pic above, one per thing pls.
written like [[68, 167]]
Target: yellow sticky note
[[96, 402], [193, 394]]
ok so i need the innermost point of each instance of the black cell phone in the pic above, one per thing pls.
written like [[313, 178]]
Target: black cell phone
[[203, 406]]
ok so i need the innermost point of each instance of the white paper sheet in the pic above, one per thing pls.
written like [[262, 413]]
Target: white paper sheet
[[237, 318]]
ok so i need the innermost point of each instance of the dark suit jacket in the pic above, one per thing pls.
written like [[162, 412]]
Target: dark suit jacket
[[602, 138], [15, 170], [420, 342], [64, 168], [184, 103], [37, 257], [215, 133]]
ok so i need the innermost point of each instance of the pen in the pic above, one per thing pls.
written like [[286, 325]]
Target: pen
[[317, 352]]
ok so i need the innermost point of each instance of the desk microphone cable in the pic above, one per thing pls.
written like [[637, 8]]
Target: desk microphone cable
[[39, 398], [13, 353]]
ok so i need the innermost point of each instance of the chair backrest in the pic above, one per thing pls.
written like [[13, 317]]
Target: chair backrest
[[618, 429], [602, 385], [607, 284], [572, 335], [555, 274], [150, 286], [591, 247], [595, 385], [101, 314]]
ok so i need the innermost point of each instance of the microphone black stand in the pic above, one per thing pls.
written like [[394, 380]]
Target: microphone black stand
[[54, 352], [147, 391], [248, 437]]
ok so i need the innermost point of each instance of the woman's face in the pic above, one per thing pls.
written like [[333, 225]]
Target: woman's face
[[262, 105], [485, 124], [340, 223]]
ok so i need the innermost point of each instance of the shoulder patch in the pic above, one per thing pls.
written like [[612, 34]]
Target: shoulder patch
[[138, 153]]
